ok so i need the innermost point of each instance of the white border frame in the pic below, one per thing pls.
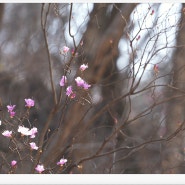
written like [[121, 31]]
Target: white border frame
[[92, 179]]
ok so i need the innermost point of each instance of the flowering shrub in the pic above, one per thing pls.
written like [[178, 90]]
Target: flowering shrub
[[26, 136]]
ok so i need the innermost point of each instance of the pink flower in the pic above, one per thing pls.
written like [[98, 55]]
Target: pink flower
[[63, 81], [23, 130], [83, 67], [64, 50], [69, 90], [70, 93], [39, 168], [81, 83], [7, 133], [29, 103], [62, 162], [86, 85], [33, 146], [33, 132], [10, 108], [26, 132], [13, 163]]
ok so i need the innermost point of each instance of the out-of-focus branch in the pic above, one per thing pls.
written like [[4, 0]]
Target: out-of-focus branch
[[70, 17], [54, 109], [134, 148], [43, 23]]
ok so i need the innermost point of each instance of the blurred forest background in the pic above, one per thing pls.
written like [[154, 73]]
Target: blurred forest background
[[132, 119]]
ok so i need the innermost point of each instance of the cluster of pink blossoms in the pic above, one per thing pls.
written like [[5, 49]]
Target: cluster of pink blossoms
[[40, 167], [21, 129], [79, 82], [24, 132], [29, 103], [27, 132]]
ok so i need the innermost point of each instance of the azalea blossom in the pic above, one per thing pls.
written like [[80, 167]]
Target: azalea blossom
[[86, 85], [13, 163], [7, 133], [29, 103], [70, 93], [81, 83], [39, 168], [32, 132], [63, 81], [10, 108], [83, 67], [69, 90], [33, 146], [64, 50], [62, 162], [27, 132], [23, 130]]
